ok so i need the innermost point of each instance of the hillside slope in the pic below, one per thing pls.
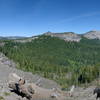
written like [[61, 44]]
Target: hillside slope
[[56, 59], [5, 93], [6, 70]]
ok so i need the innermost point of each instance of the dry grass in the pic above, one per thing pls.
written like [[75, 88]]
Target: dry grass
[[7, 94], [2, 98]]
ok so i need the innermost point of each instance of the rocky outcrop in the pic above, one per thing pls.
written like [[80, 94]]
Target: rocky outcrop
[[71, 36], [67, 36], [92, 35], [6, 61], [32, 91]]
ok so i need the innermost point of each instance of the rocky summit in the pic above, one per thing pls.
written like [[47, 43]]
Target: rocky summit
[[92, 35], [71, 36], [67, 36]]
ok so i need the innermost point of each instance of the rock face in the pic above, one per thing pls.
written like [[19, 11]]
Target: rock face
[[71, 36], [67, 36], [6, 61], [31, 91], [92, 35]]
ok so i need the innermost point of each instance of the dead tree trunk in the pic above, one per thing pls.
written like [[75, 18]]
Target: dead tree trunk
[[21, 88], [31, 90]]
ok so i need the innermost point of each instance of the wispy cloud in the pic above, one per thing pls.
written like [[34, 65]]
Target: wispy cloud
[[79, 17]]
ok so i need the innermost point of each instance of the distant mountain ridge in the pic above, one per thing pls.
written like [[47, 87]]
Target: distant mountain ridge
[[71, 36], [67, 36], [92, 34], [11, 37]]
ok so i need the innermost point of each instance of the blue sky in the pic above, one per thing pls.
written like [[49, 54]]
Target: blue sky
[[32, 17]]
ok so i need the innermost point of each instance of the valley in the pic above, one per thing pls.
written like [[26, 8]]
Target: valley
[[58, 62]]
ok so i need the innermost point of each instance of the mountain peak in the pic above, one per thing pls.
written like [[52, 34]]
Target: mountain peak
[[67, 36], [92, 34]]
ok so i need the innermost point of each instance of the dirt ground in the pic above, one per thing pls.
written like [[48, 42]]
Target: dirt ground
[[45, 86]]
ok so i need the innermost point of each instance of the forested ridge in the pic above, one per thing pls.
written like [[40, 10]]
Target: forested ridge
[[65, 62]]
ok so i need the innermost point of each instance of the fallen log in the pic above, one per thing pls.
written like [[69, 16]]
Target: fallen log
[[21, 90], [31, 90], [17, 84]]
